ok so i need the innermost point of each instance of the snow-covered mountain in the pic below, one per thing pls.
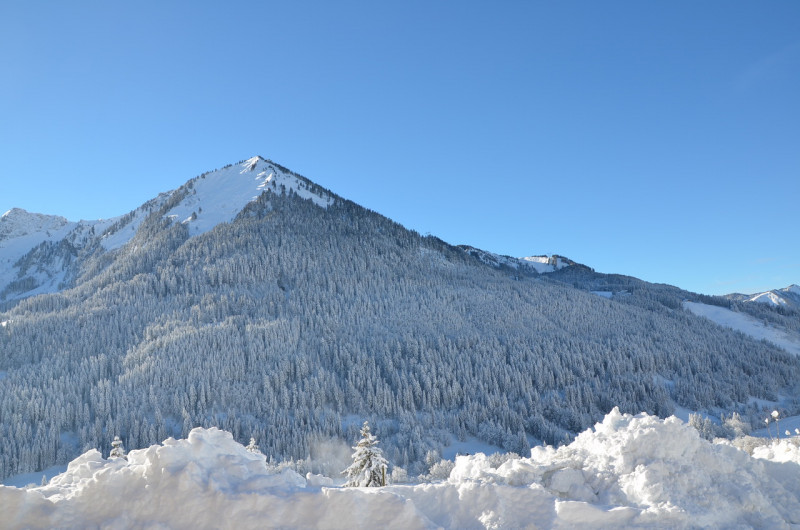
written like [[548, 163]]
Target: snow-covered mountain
[[788, 297], [44, 253], [254, 300]]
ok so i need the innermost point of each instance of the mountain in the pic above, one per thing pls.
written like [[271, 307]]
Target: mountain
[[43, 254], [254, 300], [788, 297]]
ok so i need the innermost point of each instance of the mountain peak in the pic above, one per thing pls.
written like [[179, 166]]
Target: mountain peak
[[218, 196], [17, 222], [252, 163], [785, 297]]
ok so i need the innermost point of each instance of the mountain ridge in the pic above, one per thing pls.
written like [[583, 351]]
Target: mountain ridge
[[201, 203], [787, 297]]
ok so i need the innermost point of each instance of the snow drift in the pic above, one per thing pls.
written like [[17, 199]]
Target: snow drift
[[629, 471]]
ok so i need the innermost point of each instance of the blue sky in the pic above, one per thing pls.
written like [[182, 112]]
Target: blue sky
[[659, 140]]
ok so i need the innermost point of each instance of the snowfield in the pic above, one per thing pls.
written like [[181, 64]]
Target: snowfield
[[627, 472], [747, 325]]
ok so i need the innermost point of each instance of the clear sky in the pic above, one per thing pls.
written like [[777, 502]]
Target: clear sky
[[655, 139]]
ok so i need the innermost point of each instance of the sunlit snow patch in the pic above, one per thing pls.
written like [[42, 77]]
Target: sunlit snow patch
[[747, 325]]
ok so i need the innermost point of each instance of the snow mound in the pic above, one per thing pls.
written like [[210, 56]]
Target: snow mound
[[627, 472]]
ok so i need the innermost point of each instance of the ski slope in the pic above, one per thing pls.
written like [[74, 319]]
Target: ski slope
[[747, 325]]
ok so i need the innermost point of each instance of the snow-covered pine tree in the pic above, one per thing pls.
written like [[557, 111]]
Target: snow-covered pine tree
[[117, 449], [369, 466], [253, 446]]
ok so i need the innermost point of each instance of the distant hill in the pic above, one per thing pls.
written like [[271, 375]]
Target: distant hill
[[788, 297]]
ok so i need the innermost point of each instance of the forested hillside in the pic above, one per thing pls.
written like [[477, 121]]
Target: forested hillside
[[300, 318]]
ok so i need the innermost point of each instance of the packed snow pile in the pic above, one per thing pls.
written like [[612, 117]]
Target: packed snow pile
[[628, 472]]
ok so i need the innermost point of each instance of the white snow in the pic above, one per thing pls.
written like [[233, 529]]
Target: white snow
[[469, 446], [22, 231], [125, 233], [604, 294], [747, 325], [768, 298], [26, 479], [219, 196], [776, 297], [628, 472], [773, 430], [543, 264]]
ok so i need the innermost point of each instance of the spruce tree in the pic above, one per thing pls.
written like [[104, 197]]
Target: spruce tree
[[117, 449], [369, 466], [253, 446]]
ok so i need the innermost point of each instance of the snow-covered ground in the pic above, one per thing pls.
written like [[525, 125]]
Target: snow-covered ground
[[778, 429], [628, 472], [747, 325]]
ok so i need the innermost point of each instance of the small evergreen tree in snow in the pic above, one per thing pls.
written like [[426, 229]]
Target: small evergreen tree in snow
[[253, 447], [117, 449], [369, 466]]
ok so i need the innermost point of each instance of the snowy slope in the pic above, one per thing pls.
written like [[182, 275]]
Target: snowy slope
[[37, 251], [786, 297], [217, 197], [627, 472], [768, 298], [747, 324], [538, 264], [20, 232], [545, 263]]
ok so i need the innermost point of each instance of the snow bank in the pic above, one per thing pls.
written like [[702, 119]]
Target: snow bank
[[628, 472]]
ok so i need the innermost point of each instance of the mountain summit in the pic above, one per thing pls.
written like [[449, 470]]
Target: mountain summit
[[217, 197], [18, 223]]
